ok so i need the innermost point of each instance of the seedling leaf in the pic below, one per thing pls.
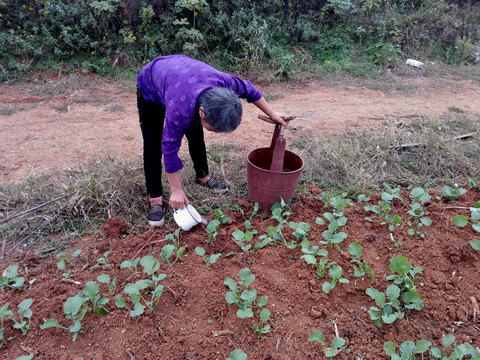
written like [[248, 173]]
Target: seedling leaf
[[25, 357], [317, 336], [426, 221], [50, 323], [475, 244], [76, 327], [24, 307], [238, 354], [355, 249], [200, 251], [262, 301], [448, 340], [91, 289], [167, 251], [327, 287], [150, 264], [422, 346], [120, 302], [230, 297], [460, 220], [338, 342], [72, 306], [407, 347], [390, 348], [393, 292], [138, 310], [231, 284], [246, 313], [249, 295], [264, 315], [104, 278]]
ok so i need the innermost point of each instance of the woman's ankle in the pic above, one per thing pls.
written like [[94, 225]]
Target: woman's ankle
[[204, 179], [156, 201]]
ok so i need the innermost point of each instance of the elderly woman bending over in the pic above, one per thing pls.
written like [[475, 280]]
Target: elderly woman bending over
[[180, 96]]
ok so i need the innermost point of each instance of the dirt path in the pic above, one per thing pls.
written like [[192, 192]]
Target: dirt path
[[43, 131]]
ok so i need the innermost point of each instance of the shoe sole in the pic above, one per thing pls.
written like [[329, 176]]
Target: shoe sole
[[156, 223]]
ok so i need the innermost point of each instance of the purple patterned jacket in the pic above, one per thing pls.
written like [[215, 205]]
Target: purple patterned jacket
[[177, 82]]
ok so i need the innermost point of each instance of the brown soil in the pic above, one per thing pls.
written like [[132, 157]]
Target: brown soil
[[193, 320]]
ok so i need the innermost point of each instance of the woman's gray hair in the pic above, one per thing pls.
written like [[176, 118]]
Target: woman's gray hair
[[223, 109]]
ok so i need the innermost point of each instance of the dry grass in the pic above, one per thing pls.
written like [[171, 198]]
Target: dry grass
[[354, 162], [364, 161]]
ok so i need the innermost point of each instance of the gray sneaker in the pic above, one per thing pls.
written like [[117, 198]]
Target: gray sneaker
[[213, 185], [156, 217]]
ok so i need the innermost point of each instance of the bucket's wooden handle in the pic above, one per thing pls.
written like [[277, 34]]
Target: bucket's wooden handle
[[267, 119], [278, 148]]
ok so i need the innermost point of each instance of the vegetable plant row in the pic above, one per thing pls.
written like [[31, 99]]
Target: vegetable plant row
[[381, 269]]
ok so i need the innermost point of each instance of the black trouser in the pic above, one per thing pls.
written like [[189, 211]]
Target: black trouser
[[152, 119]]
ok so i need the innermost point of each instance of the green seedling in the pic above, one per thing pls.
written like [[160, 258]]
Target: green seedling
[[214, 225], [472, 182], [337, 346], [256, 207], [335, 273], [132, 265], [462, 220], [67, 259], [265, 241], [174, 237], [212, 259], [406, 276], [4, 312], [10, 278], [102, 262], [91, 291], [300, 230], [387, 311], [396, 243], [419, 197], [280, 212], [462, 351], [77, 306], [363, 198], [105, 279], [332, 235], [237, 354], [408, 350], [244, 237], [262, 328], [169, 250], [245, 298], [75, 309], [140, 290], [315, 256], [360, 267], [384, 206], [339, 202], [212, 231], [223, 218], [25, 315], [451, 194]]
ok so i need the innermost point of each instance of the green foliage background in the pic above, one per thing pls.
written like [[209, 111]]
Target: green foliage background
[[280, 36]]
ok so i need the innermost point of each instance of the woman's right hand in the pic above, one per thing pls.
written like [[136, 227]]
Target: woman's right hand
[[178, 199]]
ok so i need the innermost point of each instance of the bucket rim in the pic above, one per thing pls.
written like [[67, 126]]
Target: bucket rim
[[275, 172]]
